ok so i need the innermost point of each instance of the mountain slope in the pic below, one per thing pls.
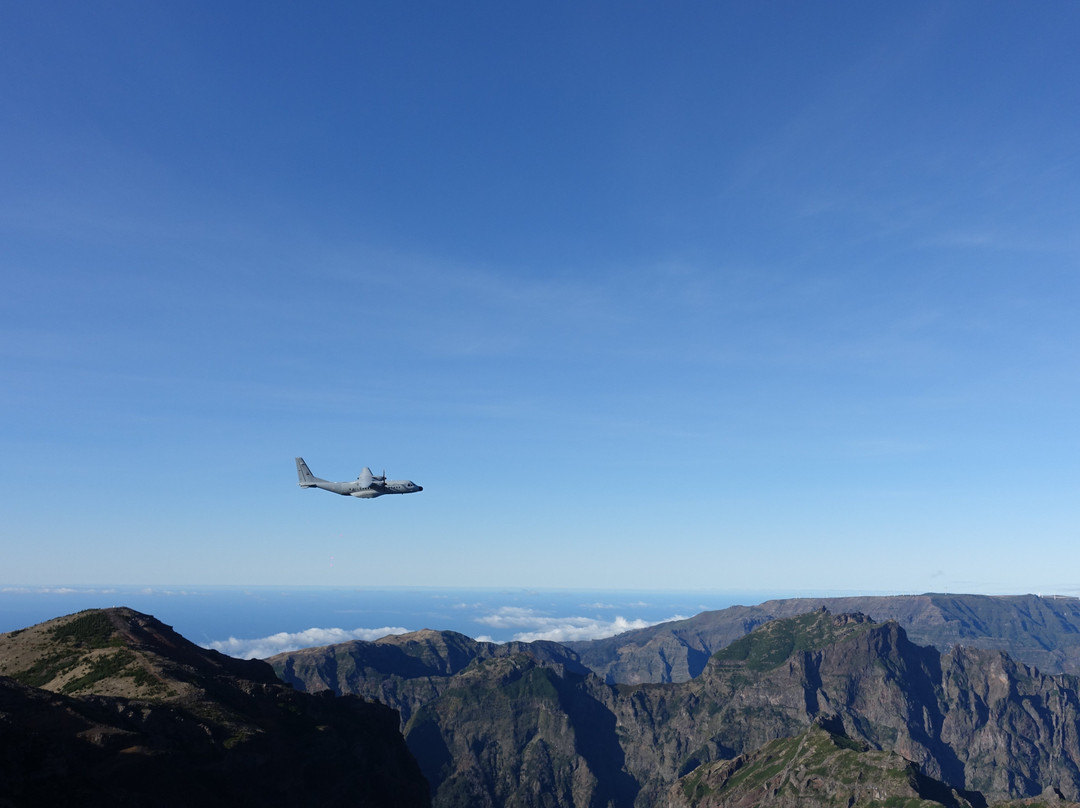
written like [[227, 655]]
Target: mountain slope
[[515, 731], [973, 719], [404, 670], [112, 707], [816, 769]]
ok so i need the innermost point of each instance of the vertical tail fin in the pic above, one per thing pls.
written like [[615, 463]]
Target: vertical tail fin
[[307, 479]]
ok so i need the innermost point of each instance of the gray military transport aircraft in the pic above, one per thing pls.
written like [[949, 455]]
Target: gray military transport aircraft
[[366, 486]]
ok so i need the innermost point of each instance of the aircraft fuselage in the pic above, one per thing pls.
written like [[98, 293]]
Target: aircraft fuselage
[[366, 486], [355, 489]]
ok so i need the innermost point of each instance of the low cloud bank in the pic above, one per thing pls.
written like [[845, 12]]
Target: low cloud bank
[[527, 624], [539, 626], [285, 641]]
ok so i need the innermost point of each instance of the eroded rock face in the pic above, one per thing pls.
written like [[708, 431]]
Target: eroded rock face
[[974, 719], [523, 729], [406, 671], [816, 769], [111, 707]]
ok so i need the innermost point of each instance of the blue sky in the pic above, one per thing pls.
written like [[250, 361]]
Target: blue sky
[[757, 296]]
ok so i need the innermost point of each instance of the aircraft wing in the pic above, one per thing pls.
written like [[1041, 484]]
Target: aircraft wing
[[369, 480]]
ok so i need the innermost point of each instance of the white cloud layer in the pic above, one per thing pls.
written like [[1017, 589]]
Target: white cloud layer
[[285, 641], [530, 624], [538, 626]]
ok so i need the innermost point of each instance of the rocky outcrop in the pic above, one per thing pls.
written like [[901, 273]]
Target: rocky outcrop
[[111, 707]]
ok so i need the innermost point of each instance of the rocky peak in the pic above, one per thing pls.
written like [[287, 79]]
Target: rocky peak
[[120, 652]]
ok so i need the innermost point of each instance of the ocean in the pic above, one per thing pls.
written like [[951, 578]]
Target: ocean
[[260, 621]]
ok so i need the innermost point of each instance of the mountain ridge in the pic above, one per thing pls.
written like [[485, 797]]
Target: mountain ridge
[[1036, 630], [973, 719], [125, 707], [377, 669], [113, 707]]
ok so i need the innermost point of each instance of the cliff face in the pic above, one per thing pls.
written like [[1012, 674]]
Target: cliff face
[[513, 731], [111, 707], [1043, 632], [520, 729], [972, 718], [405, 671]]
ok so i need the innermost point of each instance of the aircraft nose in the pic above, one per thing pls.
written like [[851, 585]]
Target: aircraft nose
[[419, 488]]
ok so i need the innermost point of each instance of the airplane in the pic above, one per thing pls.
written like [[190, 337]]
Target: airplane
[[366, 486]]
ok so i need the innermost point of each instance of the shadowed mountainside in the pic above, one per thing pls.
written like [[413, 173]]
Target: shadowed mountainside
[[112, 707]]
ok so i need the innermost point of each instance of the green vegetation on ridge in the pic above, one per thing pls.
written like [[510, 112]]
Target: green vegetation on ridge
[[819, 769], [773, 643], [89, 629]]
